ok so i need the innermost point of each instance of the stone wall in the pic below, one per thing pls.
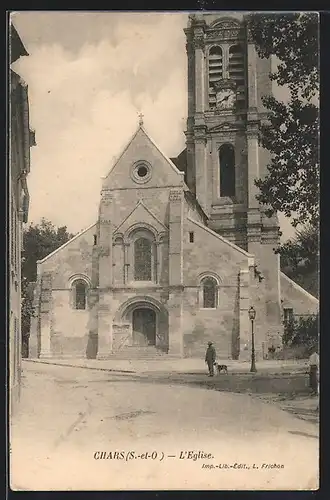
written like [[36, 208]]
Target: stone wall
[[69, 326], [218, 325], [124, 202], [74, 257], [211, 254], [60, 329], [126, 192]]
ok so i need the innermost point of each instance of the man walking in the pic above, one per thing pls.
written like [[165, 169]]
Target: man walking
[[210, 358]]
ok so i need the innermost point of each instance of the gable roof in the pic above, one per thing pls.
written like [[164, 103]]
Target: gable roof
[[299, 288], [224, 240], [142, 129], [156, 222], [17, 48], [180, 161], [41, 261]]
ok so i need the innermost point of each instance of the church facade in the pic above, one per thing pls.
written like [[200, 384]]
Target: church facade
[[181, 248]]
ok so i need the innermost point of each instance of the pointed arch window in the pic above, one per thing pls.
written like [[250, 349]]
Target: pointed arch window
[[227, 170], [215, 71], [209, 292], [142, 259], [79, 288]]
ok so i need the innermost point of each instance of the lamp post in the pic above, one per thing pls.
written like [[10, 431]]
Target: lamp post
[[252, 315]]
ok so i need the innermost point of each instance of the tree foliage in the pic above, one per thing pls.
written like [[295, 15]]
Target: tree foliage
[[291, 135], [293, 38], [303, 331], [27, 312], [300, 259]]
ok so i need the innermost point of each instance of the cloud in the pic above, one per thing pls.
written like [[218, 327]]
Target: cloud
[[84, 107]]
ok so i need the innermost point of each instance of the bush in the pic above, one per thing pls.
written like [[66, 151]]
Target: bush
[[302, 332], [294, 352]]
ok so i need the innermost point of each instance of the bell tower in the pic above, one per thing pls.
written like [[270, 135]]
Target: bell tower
[[226, 83]]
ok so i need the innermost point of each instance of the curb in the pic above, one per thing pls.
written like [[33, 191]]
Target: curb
[[77, 366], [258, 376]]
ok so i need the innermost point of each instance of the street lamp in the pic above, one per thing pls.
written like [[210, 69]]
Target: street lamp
[[252, 316]]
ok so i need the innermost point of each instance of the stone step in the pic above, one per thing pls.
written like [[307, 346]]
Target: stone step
[[126, 357], [136, 352]]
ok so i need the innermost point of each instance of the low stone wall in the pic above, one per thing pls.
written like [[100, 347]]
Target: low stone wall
[[298, 352]]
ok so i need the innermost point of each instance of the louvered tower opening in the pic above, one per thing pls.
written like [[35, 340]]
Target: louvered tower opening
[[215, 72], [237, 72]]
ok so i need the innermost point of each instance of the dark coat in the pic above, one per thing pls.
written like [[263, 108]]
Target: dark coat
[[210, 355]]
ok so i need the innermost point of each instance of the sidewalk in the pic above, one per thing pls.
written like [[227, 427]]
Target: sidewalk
[[176, 365]]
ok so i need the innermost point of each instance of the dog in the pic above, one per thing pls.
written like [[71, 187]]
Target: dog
[[221, 368]]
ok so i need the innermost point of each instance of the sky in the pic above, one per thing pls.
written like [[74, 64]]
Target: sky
[[89, 74]]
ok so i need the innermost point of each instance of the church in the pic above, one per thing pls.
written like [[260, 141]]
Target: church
[[181, 249]]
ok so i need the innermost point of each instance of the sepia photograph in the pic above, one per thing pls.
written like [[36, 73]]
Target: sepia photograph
[[163, 250]]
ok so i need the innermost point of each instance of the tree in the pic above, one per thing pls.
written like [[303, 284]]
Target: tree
[[291, 184], [27, 312], [38, 241], [300, 259]]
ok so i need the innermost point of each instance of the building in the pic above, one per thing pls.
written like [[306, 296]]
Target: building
[[181, 248], [20, 140]]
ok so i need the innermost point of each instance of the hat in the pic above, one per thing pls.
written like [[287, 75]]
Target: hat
[[210, 343]]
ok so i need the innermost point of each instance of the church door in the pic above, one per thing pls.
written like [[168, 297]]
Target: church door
[[144, 327]]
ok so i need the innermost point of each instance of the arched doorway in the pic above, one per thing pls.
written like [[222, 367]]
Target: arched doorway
[[144, 326], [141, 321]]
